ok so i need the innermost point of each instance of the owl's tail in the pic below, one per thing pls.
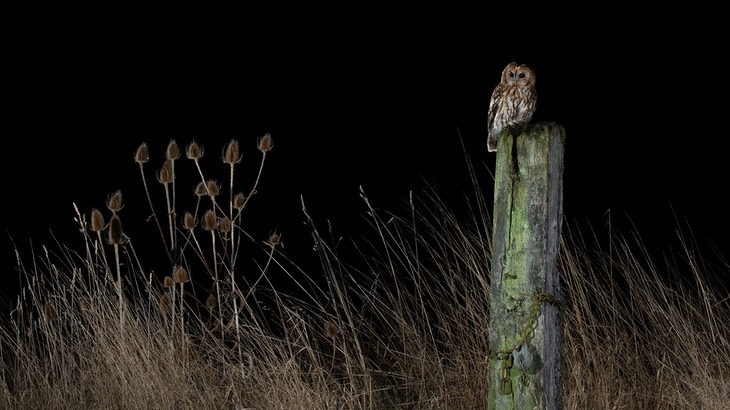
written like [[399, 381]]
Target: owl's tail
[[491, 143]]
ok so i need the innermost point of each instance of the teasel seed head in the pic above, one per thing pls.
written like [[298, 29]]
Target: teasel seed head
[[225, 225], [168, 282], [213, 188], [200, 189], [114, 201], [173, 151], [97, 220], [210, 302], [239, 200], [210, 223], [165, 174], [330, 329], [274, 240], [115, 230], [189, 221], [193, 151], [231, 155], [142, 155], [180, 275], [266, 143]]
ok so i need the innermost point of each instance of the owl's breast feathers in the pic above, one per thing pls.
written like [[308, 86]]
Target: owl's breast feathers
[[509, 105]]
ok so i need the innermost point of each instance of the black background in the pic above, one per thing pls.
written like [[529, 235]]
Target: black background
[[388, 101]]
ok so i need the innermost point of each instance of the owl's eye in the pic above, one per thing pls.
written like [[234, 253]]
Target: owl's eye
[[522, 75], [511, 74]]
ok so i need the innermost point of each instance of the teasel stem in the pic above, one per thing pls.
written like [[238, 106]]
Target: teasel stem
[[141, 156], [165, 176], [195, 152], [115, 238], [173, 153], [232, 263], [265, 144], [232, 157], [97, 225], [211, 224], [213, 190], [180, 275]]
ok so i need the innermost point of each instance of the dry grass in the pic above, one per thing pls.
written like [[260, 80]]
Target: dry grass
[[395, 319]]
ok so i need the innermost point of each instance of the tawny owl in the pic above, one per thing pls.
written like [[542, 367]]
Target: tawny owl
[[513, 101]]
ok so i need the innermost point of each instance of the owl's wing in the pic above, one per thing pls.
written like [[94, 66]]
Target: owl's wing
[[494, 104]]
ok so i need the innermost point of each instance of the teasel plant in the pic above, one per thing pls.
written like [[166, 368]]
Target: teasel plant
[[222, 221], [98, 225], [116, 238]]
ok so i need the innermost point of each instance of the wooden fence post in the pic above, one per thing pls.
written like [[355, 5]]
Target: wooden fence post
[[525, 331]]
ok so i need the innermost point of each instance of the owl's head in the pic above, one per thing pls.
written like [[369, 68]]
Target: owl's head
[[518, 74]]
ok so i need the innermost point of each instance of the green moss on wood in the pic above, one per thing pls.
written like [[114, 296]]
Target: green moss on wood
[[527, 211]]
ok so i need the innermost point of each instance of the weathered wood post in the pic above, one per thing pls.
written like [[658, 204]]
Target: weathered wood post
[[525, 331]]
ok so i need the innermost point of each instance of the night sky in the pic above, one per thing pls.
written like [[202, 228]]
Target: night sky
[[389, 104]]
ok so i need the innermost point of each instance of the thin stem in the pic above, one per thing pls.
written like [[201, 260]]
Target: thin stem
[[182, 319], [154, 214], [217, 283], [172, 308], [200, 171], [172, 210], [233, 224], [169, 218], [232, 259], [256, 183], [119, 289]]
